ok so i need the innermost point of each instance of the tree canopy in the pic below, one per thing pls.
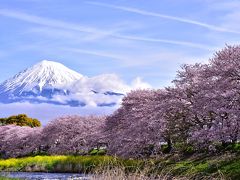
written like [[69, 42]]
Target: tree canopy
[[20, 120]]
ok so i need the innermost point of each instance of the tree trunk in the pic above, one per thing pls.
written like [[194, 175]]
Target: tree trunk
[[169, 144]]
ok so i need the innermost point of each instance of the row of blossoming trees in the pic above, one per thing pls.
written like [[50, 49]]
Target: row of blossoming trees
[[201, 109]]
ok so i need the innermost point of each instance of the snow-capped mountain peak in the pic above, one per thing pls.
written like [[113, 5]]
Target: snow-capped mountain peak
[[45, 74]]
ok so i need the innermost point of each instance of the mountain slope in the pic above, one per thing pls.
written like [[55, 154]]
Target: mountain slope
[[42, 75]]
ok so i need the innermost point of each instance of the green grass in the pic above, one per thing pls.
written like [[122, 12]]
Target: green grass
[[79, 164], [224, 165]]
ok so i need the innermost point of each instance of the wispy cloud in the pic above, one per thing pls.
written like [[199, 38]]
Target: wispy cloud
[[167, 41], [232, 17], [165, 16], [94, 53], [86, 29], [125, 59], [141, 60], [50, 22], [74, 36]]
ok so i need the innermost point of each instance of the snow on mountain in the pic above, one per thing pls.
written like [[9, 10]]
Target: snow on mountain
[[42, 75], [52, 82]]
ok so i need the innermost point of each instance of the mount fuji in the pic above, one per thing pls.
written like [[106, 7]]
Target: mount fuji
[[51, 82]]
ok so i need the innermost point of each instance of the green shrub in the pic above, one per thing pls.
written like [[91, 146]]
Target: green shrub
[[237, 147], [20, 120], [164, 148], [188, 150], [179, 146], [95, 151], [218, 146], [147, 150], [233, 147], [101, 152]]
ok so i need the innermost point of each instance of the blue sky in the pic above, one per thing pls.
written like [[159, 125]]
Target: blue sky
[[131, 38]]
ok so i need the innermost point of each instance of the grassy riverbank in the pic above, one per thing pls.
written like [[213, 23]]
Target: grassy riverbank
[[74, 164], [224, 166]]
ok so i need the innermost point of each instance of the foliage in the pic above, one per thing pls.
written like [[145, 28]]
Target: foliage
[[188, 150], [96, 151], [165, 149], [231, 147], [20, 120]]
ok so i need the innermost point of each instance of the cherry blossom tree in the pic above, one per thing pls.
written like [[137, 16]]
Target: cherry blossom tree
[[72, 134], [65, 135], [211, 95], [16, 141], [132, 130], [202, 107]]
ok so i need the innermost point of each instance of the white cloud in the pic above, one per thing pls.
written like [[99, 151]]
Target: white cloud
[[155, 58], [92, 91], [230, 16], [167, 41], [139, 84]]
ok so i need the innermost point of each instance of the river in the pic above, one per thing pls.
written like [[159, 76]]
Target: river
[[45, 176]]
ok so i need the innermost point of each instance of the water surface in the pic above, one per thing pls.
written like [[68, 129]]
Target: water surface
[[45, 176]]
